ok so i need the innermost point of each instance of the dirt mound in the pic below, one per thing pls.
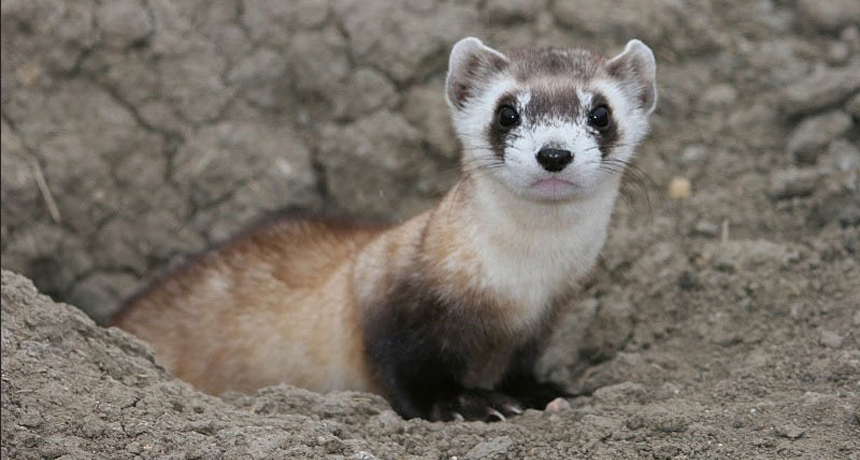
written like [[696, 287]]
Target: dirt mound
[[770, 383]]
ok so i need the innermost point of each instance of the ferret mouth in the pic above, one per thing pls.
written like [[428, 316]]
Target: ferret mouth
[[553, 186]]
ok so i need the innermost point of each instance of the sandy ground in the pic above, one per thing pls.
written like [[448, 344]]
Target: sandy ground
[[722, 323]]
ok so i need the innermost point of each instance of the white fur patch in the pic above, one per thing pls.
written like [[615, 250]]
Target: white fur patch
[[530, 251], [532, 242]]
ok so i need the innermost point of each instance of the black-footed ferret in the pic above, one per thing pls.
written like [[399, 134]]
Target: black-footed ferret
[[445, 314]]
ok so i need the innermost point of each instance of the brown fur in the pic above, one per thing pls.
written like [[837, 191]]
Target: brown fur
[[250, 313]]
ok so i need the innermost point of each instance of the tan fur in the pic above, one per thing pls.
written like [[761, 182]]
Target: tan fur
[[269, 307]]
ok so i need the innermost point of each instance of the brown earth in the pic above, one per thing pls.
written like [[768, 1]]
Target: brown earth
[[719, 325]]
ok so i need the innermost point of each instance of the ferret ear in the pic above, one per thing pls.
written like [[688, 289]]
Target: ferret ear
[[637, 71], [471, 63]]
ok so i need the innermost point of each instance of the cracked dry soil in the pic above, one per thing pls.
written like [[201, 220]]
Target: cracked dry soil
[[723, 324]]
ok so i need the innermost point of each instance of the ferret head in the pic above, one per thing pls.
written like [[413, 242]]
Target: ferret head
[[549, 124]]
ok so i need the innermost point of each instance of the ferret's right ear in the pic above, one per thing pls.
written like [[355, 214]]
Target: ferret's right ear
[[471, 63]]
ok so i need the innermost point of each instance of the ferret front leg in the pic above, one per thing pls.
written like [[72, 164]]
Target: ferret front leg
[[424, 381], [413, 373]]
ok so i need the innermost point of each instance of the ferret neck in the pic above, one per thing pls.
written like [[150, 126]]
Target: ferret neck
[[511, 248]]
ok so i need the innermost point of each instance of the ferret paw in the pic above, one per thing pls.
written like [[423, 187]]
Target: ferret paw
[[476, 405]]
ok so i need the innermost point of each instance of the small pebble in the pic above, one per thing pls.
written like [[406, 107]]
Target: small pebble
[[831, 339], [838, 52], [688, 280], [557, 405], [790, 431], [680, 188], [693, 153], [796, 310], [812, 136], [793, 182], [706, 228], [843, 155], [493, 448], [853, 106]]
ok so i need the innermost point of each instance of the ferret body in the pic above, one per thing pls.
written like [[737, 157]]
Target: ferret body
[[446, 313]]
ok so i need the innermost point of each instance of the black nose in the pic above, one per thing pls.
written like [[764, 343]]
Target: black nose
[[554, 160]]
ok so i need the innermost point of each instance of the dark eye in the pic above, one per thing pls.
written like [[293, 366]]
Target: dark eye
[[599, 117], [508, 117]]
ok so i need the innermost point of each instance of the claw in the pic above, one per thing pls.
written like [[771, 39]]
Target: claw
[[494, 413], [514, 409], [459, 417]]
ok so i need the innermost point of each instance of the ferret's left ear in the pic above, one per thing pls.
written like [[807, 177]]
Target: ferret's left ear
[[471, 64], [636, 68]]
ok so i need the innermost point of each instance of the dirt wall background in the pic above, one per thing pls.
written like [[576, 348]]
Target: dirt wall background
[[722, 324], [156, 127]]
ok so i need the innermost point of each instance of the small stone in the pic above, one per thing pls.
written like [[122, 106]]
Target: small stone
[[824, 88], [843, 155], [619, 391], [489, 449], [849, 216], [680, 188], [828, 15], [812, 398], [511, 11], [28, 74], [705, 228], [667, 452], [851, 35], [762, 442], [134, 447], [720, 95], [557, 405], [831, 339], [796, 310], [363, 455], [791, 183], [688, 280], [123, 22], [790, 431], [693, 153], [670, 423], [614, 371], [809, 139], [853, 106], [838, 52]]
